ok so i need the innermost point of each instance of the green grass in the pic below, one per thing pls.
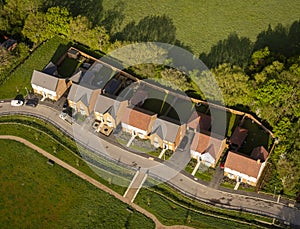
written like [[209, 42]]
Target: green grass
[[37, 195], [232, 122], [65, 149], [256, 137], [201, 24], [51, 50], [205, 174], [173, 208]]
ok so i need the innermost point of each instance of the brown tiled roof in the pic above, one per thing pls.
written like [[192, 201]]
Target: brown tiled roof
[[136, 118], [238, 136], [259, 153], [242, 164], [199, 121], [202, 143], [138, 97]]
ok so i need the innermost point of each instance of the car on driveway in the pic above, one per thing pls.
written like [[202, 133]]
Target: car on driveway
[[32, 102], [16, 103]]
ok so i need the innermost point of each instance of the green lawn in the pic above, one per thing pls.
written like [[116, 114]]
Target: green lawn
[[68, 67], [51, 50], [55, 142], [201, 24], [173, 208], [34, 194]]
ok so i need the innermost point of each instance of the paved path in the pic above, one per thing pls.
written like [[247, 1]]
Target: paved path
[[89, 179], [181, 181], [135, 185]]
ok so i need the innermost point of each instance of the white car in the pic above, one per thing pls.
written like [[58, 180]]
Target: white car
[[16, 103], [63, 115]]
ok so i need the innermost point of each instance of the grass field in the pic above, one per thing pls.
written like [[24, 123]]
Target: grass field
[[34, 194], [173, 208], [201, 24], [51, 50], [40, 133]]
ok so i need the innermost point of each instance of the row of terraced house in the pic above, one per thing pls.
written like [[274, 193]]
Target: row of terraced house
[[99, 90]]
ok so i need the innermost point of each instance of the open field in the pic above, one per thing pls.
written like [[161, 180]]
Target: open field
[[36, 194], [201, 24], [41, 133]]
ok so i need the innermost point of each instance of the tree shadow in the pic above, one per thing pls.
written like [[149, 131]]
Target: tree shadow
[[235, 50], [150, 28], [92, 9], [283, 40], [113, 18]]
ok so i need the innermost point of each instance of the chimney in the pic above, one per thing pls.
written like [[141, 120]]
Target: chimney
[[258, 161]]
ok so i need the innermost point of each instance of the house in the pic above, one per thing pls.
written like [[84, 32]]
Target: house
[[167, 134], [199, 122], [107, 110], [243, 169], [139, 97], [259, 153], [47, 84], [82, 99], [207, 148], [238, 137], [137, 122]]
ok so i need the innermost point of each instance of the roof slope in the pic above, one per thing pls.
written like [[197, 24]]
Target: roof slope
[[202, 143], [136, 118], [80, 93], [44, 80], [166, 130], [259, 153], [106, 104], [238, 136], [199, 121], [242, 164]]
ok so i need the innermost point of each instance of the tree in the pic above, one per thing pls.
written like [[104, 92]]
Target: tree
[[5, 58], [234, 84], [175, 79]]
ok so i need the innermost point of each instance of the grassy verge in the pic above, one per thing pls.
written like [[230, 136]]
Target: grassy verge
[[36, 195], [173, 208], [51, 50], [53, 141], [204, 173]]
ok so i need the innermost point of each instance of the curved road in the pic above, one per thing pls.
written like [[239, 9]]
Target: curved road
[[185, 184]]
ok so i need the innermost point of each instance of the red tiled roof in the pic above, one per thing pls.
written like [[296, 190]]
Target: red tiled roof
[[238, 136], [259, 153], [136, 118], [202, 143], [199, 120], [242, 164]]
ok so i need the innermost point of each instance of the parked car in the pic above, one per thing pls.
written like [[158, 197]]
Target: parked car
[[32, 102], [65, 105], [183, 143], [16, 103], [63, 115], [222, 163]]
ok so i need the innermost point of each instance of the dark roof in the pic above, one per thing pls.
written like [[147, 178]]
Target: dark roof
[[259, 153], [97, 76], [112, 86], [44, 80], [138, 97], [238, 136], [106, 104], [80, 93], [50, 69], [165, 130]]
